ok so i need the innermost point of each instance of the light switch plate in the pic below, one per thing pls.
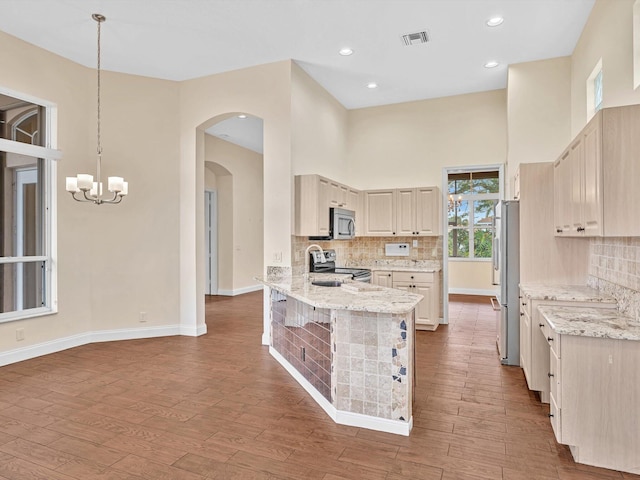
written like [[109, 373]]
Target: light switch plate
[[397, 249]]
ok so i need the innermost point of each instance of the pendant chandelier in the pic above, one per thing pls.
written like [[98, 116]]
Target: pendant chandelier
[[82, 187]]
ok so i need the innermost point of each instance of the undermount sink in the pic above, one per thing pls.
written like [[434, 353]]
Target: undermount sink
[[326, 283]]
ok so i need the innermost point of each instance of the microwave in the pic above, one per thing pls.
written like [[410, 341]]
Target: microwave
[[342, 225]]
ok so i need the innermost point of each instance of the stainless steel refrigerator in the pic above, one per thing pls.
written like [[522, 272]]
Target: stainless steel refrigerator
[[506, 269]]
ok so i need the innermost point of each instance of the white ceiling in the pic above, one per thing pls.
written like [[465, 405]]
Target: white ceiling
[[183, 39]]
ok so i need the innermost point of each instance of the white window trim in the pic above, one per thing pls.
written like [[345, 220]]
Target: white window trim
[[50, 244]]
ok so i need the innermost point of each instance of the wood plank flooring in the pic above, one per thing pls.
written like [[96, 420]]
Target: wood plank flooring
[[219, 407]]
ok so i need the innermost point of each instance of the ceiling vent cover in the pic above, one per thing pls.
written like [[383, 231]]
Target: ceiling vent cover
[[417, 38]]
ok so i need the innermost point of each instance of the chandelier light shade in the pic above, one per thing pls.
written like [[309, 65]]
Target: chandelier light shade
[[82, 187]]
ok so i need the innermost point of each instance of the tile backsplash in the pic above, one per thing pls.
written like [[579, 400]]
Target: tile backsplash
[[614, 267], [369, 251]]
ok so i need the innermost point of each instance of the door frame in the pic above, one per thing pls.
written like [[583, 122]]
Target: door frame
[[445, 217]]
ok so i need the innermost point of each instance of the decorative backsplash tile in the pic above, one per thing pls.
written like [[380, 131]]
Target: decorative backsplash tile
[[614, 267], [370, 251]]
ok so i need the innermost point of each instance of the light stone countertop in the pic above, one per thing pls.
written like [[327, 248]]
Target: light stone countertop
[[392, 268], [566, 293], [591, 322], [355, 296]]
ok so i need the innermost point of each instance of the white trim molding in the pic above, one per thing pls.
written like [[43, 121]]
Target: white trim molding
[[53, 346], [240, 291], [474, 291]]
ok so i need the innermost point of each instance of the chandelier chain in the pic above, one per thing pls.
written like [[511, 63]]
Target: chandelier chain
[[98, 116]]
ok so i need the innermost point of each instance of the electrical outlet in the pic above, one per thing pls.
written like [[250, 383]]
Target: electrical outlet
[[415, 243], [277, 257], [143, 317], [20, 334]]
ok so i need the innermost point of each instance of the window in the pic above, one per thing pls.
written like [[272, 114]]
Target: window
[[472, 200], [594, 90], [27, 170]]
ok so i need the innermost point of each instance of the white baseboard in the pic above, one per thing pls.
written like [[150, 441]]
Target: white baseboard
[[341, 417], [474, 291], [239, 291], [53, 346]]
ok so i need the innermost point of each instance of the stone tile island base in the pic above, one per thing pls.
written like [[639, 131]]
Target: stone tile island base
[[357, 365]]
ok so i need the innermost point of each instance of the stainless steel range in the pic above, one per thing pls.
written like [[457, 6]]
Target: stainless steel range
[[317, 265]]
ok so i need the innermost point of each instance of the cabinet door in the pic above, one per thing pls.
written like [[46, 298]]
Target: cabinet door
[[335, 194], [428, 211], [324, 195], [592, 177], [525, 345], [379, 212], [384, 279], [576, 165], [406, 211], [425, 315]]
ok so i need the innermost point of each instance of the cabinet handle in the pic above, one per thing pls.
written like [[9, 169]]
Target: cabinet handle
[[550, 415], [581, 229], [393, 233], [522, 314], [550, 339], [524, 304], [541, 324], [558, 230], [411, 277], [549, 374]]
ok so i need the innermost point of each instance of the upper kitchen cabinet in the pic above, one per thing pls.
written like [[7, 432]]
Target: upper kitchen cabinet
[[380, 213], [314, 196], [621, 170], [595, 179], [402, 212]]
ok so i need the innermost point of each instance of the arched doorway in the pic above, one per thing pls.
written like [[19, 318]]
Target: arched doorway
[[234, 204]]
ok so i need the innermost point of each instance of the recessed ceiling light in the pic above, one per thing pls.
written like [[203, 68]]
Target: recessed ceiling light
[[495, 21], [372, 85], [242, 115], [492, 64], [345, 52]]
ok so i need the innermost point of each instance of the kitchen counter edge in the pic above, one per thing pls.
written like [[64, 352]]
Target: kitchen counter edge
[[376, 300]]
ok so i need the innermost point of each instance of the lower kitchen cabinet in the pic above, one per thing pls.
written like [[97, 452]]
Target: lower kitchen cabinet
[[426, 284], [382, 278], [594, 398], [534, 347]]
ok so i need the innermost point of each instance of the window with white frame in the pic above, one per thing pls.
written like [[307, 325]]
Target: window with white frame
[[27, 170], [471, 212], [594, 90]]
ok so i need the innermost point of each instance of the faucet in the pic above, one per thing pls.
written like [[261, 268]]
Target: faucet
[[306, 258]]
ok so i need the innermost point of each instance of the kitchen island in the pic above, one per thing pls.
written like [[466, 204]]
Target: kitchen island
[[351, 347]]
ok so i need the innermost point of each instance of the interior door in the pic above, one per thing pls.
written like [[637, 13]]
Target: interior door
[[211, 241]]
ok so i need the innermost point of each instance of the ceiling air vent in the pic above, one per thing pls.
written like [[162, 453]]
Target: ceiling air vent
[[417, 38]]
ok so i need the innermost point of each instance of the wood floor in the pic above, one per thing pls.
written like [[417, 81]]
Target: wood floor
[[219, 407]]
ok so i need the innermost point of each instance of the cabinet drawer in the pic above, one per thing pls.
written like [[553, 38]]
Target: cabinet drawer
[[413, 277], [553, 339], [525, 305], [554, 416]]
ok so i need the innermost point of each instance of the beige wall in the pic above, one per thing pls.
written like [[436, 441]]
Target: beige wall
[[318, 129], [408, 144], [473, 278], [246, 212], [113, 261], [538, 113], [265, 92], [608, 34]]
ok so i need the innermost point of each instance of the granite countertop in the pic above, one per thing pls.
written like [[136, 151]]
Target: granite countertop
[[591, 322], [354, 296], [566, 293]]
